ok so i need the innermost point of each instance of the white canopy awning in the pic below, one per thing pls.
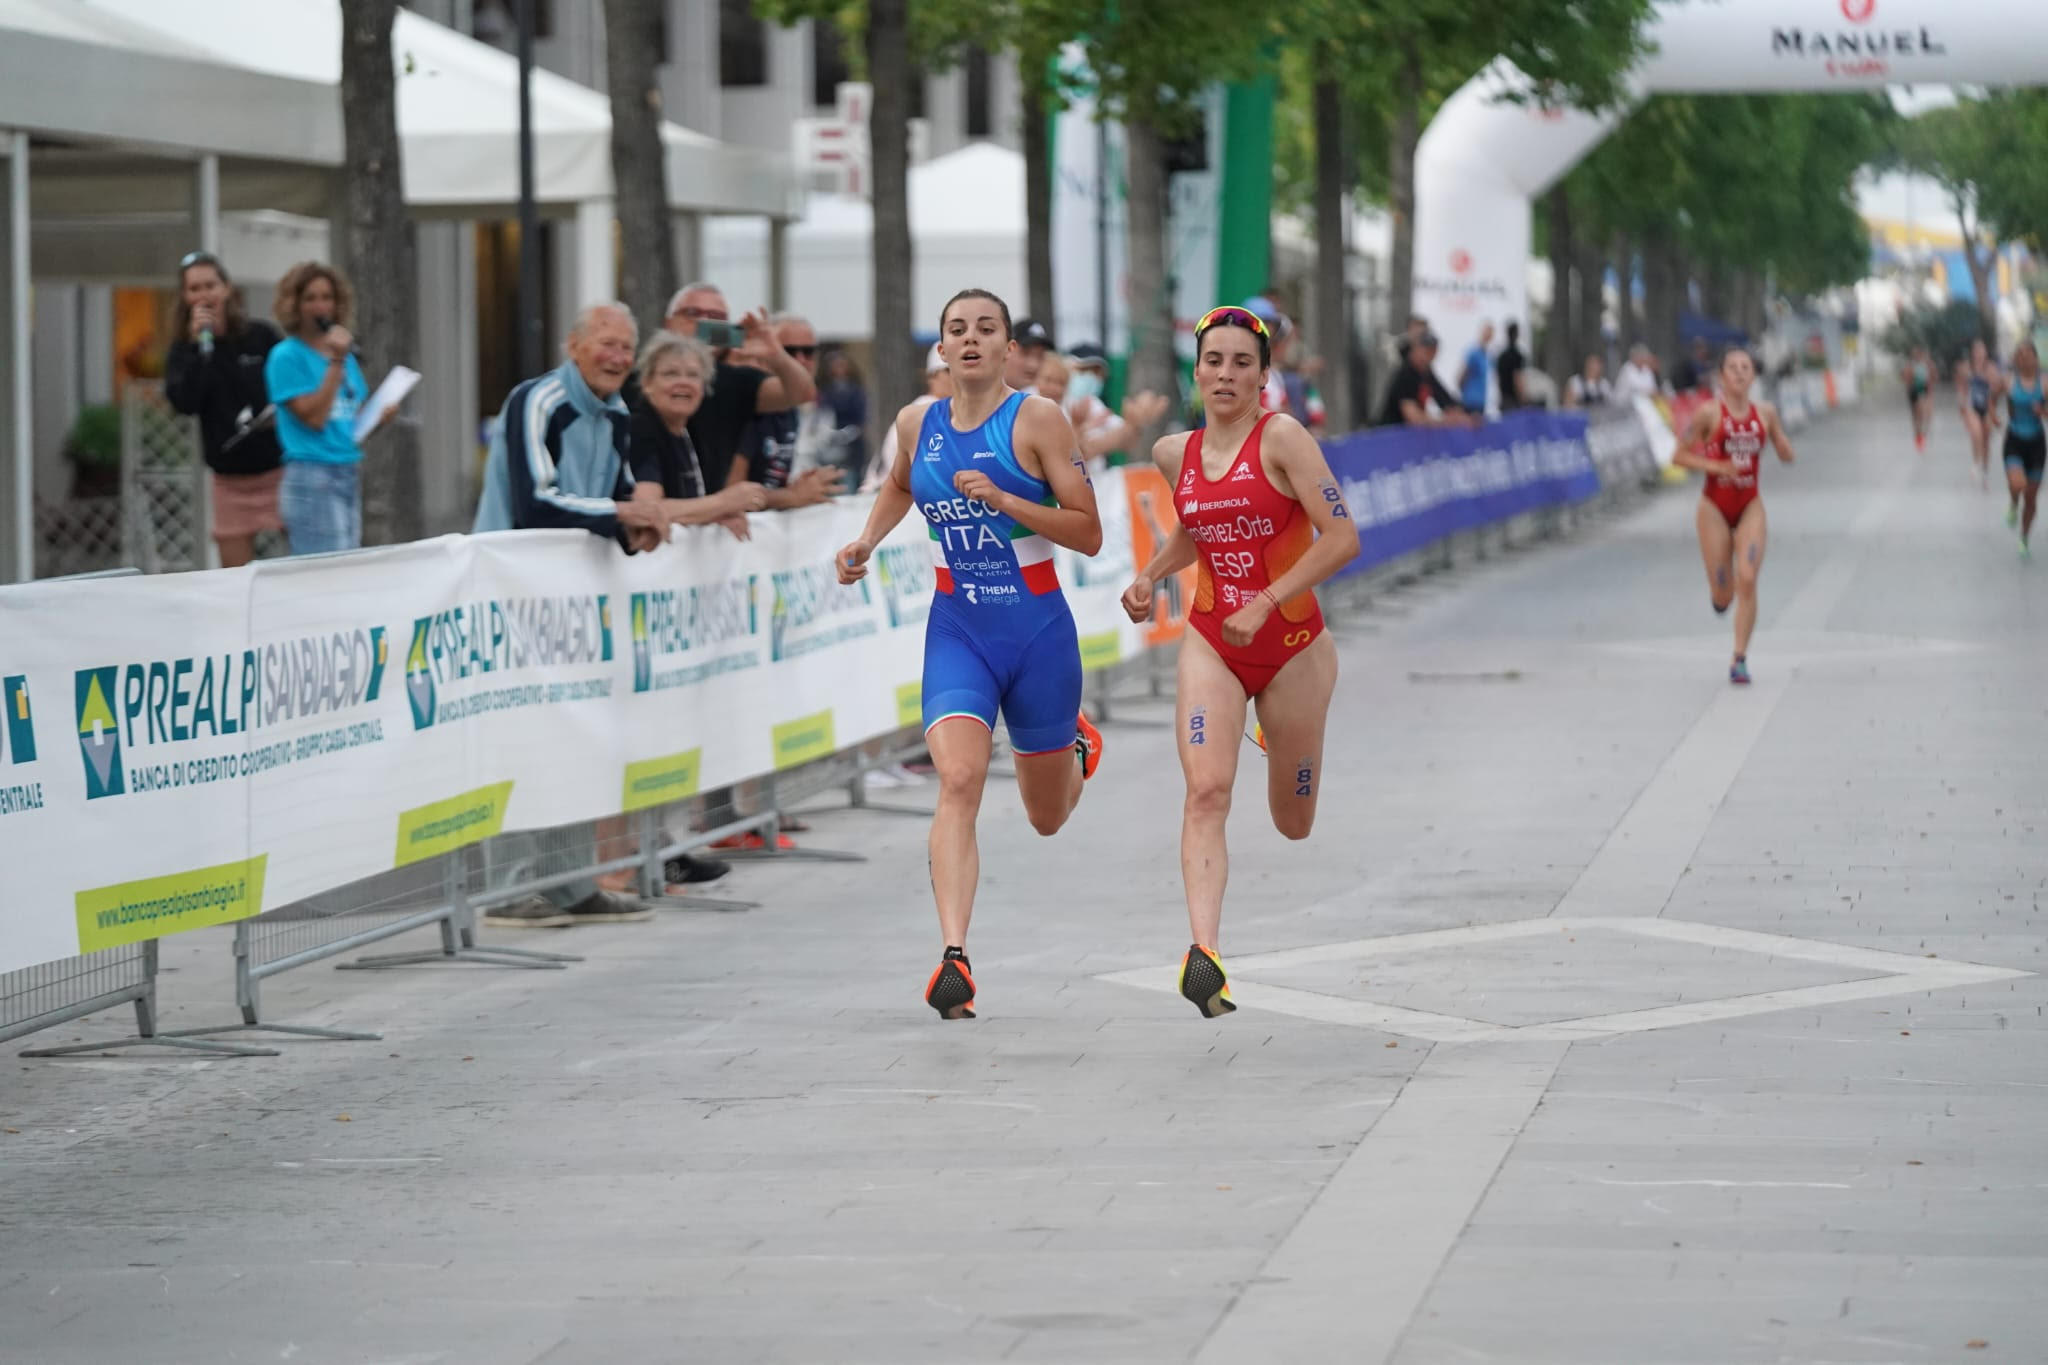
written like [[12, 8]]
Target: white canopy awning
[[966, 229], [70, 70], [458, 109]]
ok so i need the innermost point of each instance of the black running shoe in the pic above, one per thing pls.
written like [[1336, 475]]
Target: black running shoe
[[1203, 984], [951, 989], [683, 870]]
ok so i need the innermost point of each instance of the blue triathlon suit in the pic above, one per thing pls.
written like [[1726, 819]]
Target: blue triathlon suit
[[2026, 444], [1000, 636]]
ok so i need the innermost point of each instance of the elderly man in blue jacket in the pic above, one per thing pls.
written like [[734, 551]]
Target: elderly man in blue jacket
[[558, 457]]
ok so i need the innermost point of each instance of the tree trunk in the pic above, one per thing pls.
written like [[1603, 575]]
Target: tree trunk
[[1559, 335], [1333, 318], [894, 380], [647, 245], [1746, 304], [1406, 133], [1152, 359], [379, 254], [1038, 171], [1980, 263], [1660, 299], [1628, 326], [1589, 321]]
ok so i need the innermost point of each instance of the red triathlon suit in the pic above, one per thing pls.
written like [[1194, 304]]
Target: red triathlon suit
[[1248, 534], [1739, 441]]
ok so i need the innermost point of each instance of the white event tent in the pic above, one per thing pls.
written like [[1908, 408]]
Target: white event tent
[[127, 127], [966, 229]]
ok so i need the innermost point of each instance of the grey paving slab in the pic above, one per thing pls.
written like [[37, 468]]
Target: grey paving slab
[[742, 1138]]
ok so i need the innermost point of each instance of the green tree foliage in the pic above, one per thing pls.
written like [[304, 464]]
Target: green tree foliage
[[1991, 155], [1946, 330]]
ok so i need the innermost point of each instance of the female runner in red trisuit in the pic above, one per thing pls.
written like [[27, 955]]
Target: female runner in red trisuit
[[1725, 441], [1260, 511]]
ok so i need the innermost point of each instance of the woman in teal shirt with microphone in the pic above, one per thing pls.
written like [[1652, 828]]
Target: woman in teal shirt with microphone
[[318, 388]]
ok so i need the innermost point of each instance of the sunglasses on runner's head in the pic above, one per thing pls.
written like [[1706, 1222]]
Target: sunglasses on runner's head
[[1232, 317]]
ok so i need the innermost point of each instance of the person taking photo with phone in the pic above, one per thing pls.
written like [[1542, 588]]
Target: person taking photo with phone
[[755, 374]]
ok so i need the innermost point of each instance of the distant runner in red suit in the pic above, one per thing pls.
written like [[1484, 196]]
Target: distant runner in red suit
[[1725, 441], [1262, 515]]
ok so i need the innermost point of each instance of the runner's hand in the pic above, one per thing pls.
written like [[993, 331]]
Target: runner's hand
[[972, 483], [1240, 626], [852, 562], [1137, 600]]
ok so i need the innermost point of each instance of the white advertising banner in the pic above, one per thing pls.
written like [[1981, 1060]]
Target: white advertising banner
[[193, 749]]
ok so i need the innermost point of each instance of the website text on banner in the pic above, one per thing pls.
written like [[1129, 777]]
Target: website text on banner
[[1412, 486], [189, 750]]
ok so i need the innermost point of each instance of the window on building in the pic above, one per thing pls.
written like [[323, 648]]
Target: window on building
[[980, 123], [829, 68], [742, 44]]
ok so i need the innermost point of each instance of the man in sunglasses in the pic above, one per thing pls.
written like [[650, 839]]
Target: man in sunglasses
[[781, 450]]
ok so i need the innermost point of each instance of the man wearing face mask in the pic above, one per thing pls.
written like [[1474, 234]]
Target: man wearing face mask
[[1103, 432]]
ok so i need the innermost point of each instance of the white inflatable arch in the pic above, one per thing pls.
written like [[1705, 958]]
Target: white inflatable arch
[[1483, 160]]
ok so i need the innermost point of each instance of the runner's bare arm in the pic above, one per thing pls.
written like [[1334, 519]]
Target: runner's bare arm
[[1297, 468], [1692, 445], [1775, 429], [892, 502], [1046, 448]]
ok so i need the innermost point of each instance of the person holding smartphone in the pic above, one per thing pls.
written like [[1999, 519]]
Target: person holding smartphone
[[755, 374]]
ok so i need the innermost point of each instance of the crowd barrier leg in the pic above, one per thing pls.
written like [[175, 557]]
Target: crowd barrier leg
[[458, 933], [50, 981], [772, 850], [654, 881]]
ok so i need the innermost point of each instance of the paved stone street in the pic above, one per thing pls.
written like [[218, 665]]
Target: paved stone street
[[1612, 1017]]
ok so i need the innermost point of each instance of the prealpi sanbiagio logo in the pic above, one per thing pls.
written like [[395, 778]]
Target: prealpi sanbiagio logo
[[17, 749], [468, 659], [686, 635], [150, 725]]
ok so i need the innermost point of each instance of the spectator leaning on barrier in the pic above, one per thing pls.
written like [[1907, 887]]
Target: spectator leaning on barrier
[[675, 374], [559, 455], [754, 374], [780, 450], [1472, 377], [215, 372], [1638, 377], [313, 378], [1415, 388], [1511, 366], [1590, 387]]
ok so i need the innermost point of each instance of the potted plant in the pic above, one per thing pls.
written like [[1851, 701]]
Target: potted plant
[[93, 446]]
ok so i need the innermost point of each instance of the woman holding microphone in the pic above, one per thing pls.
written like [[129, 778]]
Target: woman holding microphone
[[215, 372], [318, 387]]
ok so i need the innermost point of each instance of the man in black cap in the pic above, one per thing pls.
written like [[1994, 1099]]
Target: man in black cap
[[1020, 371]]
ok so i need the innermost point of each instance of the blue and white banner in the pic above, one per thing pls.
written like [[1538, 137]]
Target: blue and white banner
[[1410, 486]]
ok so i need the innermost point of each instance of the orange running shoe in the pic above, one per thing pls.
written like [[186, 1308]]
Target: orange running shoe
[[951, 989], [752, 842], [1087, 746]]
